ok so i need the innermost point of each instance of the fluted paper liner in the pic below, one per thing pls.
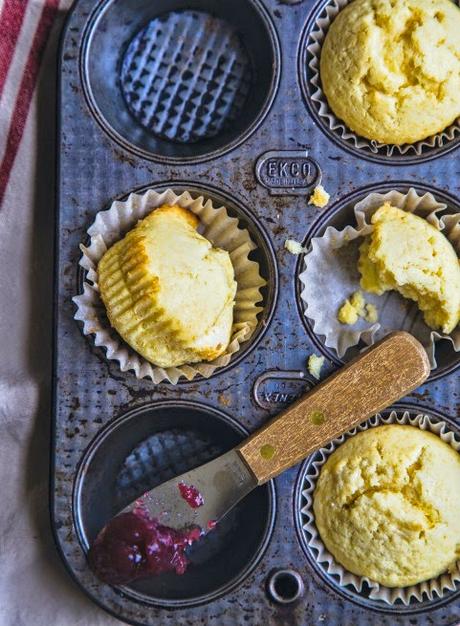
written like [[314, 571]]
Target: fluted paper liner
[[431, 588], [331, 275], [314, 45], [219, 228]]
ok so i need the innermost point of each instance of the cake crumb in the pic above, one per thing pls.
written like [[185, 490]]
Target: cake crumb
[[357, 302], [372, 314], [347, 313], [319, 197], [294, 247], [355, 307], [315, 363]]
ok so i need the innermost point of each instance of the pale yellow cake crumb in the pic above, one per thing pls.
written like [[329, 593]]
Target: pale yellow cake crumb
[[315, 363], [357, 301], [347, 313], [319, 197], [352, 309], [293, 246], [372, 314]]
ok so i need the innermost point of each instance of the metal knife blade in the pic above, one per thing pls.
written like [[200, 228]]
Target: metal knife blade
[[222, 483]]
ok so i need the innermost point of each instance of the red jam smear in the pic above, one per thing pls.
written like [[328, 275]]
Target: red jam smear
[[191, 495], [133, 545]]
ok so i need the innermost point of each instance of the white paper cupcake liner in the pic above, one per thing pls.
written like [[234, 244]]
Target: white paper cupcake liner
[[429, 589], [337, 126], [335, 256], [218, 227]]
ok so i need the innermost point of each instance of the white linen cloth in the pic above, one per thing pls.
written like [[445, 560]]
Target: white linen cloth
[[35, 589]]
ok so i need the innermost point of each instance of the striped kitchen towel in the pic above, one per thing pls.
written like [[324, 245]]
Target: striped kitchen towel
[[25, 29], [34, 588]]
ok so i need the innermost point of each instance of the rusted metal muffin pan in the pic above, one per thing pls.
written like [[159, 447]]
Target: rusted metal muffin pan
[[213, 98]]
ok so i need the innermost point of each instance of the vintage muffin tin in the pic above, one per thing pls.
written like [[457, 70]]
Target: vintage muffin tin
[[210, 97]]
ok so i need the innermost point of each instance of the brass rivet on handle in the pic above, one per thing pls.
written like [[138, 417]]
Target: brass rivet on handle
[[267, 451], [317, 418], [379, 376]]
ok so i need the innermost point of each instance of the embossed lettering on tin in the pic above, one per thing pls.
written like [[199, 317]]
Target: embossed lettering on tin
[[279, 388], [288, 172]]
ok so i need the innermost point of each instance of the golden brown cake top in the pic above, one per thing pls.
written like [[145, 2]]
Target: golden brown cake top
[[387, 505], [390, 69]]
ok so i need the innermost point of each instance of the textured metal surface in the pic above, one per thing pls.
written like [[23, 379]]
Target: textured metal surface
[[186, 76], [242, 73], [96, 165], [159, 458], [285, 586]]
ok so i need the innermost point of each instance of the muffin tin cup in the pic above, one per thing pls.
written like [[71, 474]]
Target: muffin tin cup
[[175, 82], [310, 81], [219, 228], [151, 444], [311, 540], [335, 255]]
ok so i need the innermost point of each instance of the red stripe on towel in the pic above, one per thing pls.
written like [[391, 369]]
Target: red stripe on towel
[[26, 90], [11, 19]]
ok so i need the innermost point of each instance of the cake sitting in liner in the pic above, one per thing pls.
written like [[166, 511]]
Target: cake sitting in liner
[[390, 68], [168, 292], [406, 253], [387, 505]]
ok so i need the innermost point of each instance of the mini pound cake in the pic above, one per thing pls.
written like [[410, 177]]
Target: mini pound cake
[[406, 253], [390, 68], [387, 505], [168, 292]]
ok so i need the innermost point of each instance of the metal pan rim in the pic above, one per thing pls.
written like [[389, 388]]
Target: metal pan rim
[[90, 27]]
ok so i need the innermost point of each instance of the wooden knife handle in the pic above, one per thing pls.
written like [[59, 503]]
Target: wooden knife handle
[[384, 373]]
